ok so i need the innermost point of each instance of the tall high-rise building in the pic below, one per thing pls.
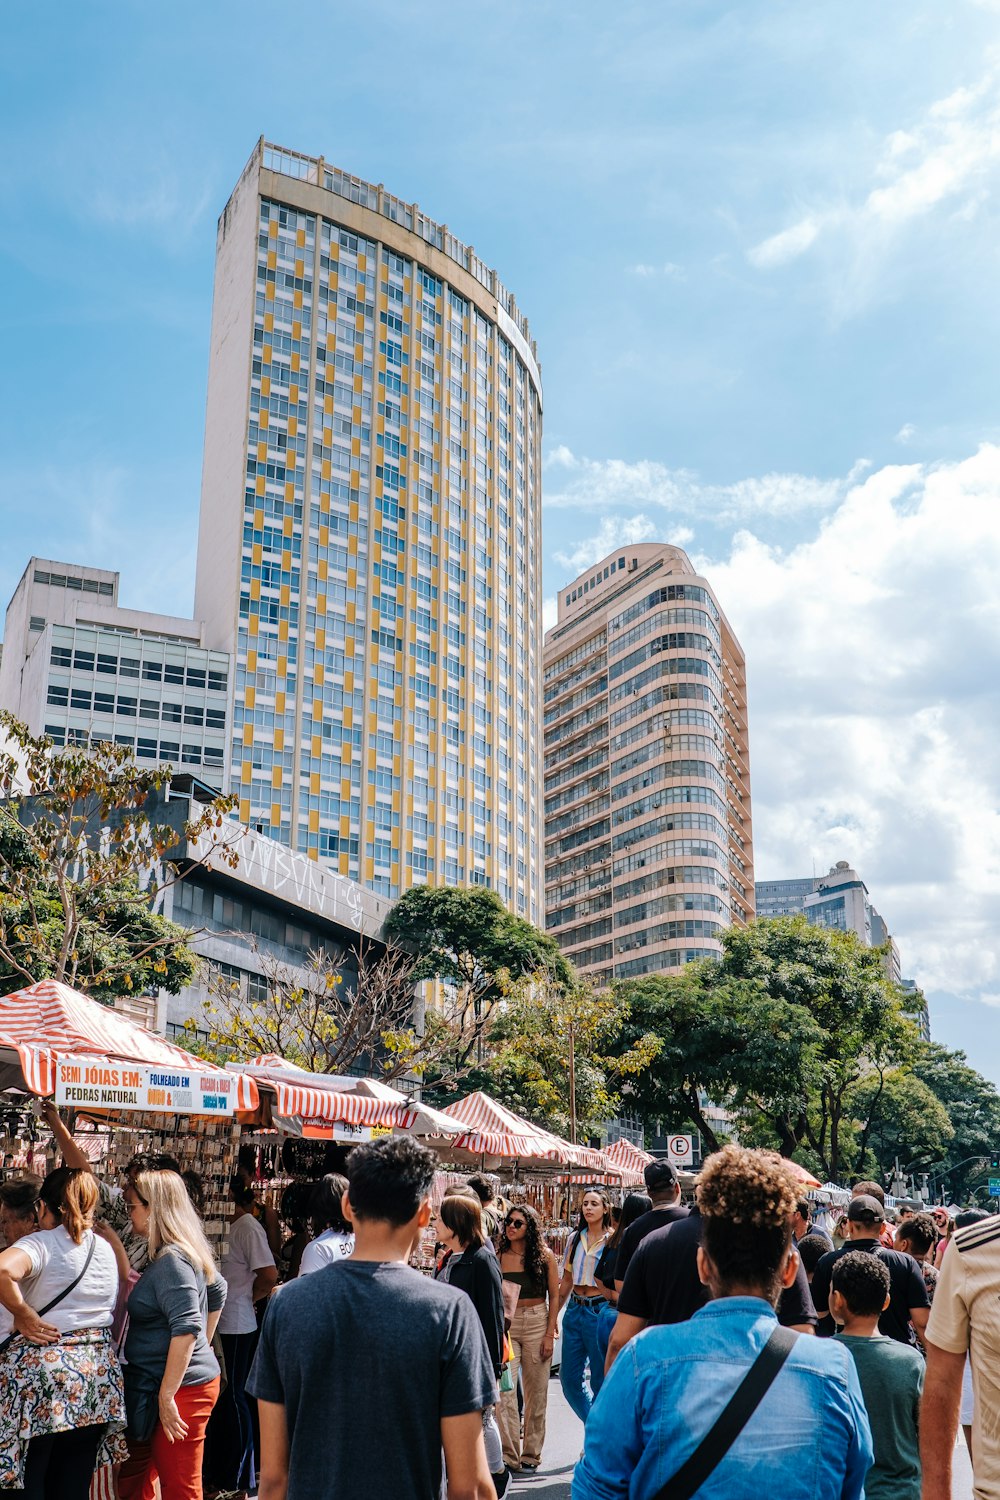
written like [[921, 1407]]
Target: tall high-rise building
[[369, 549], [648, 828], [80, 667]]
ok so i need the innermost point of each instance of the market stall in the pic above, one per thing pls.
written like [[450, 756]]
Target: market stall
[[534, 1165], [306, 1123], [57, 1043]]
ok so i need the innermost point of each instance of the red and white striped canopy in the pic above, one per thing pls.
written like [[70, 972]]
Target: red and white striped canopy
[[630, 1159], [491, 1129], [48, 1022], [306, 1102]]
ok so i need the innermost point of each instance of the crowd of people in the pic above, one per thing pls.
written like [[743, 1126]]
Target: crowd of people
[[132, 1364]]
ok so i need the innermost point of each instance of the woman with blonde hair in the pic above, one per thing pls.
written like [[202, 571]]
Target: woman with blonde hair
[[171, 1374], [60, 1382]]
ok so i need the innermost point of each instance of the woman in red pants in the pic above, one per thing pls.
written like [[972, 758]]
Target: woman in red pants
[[172, 1379]]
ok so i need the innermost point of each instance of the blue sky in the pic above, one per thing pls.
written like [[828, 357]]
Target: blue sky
[[757, 245]]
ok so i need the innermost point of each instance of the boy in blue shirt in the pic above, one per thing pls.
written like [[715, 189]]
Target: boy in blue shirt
[[891, 1375]]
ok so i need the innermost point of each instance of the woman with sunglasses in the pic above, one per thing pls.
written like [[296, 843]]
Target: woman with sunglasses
[[945, 1227], [527, 1263], [171, 1374]]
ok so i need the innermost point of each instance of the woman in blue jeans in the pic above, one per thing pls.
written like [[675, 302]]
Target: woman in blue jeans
[[581, 1354], [634, 1206]]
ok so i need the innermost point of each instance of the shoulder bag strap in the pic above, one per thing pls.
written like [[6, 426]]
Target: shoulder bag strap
[[734, 1417], [60, 1296]]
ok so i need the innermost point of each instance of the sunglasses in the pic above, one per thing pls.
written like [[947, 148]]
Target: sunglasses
[[517, 1223]]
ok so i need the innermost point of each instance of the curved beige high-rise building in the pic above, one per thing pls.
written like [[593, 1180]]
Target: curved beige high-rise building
[[370, 537], [648, 827]]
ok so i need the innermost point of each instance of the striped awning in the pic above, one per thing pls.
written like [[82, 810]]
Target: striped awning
[[491, 1129], [630, 1160], [48, 1022], [313, 1103]]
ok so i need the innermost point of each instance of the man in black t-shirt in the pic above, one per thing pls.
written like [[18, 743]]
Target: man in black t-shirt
[[663, 1286], [908, 1302], [366, 1371], [665, 1193]]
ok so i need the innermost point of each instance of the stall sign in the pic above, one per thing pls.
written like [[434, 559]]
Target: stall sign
[[316, 1128], [161, 1089]]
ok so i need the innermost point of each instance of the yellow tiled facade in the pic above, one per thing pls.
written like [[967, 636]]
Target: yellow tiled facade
[[370, 536]]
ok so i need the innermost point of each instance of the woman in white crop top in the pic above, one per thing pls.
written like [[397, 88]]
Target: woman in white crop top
[[60, 1381]]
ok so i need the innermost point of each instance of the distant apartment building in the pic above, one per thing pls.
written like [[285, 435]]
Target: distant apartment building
[[838, 900], [781, 898], [370, 541], [648, 826], [78, 667]]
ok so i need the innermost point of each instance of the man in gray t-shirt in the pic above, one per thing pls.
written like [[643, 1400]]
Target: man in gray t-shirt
[[366, 1370]]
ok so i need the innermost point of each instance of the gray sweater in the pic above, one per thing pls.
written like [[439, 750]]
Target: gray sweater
[[171, 1298]]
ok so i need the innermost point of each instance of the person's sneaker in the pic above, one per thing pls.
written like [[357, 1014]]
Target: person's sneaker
[[501, 1482]]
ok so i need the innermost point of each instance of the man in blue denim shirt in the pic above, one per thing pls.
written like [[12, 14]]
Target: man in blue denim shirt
[[808, 1439]]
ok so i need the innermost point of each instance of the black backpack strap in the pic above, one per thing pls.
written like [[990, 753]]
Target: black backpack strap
[[732, 1419]]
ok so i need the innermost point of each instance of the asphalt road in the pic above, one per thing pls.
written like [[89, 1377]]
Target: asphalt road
[[564, 1440]]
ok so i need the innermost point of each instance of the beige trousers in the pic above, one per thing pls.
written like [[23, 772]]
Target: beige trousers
[[526, 1333]]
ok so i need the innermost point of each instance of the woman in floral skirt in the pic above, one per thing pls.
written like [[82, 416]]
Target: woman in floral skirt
[[62, 1407]]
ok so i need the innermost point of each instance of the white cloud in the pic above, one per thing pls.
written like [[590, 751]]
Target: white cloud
[[945, 156], [669, 270], [575, 483], [614, 531], [873, 654], [788, 245], [906, 433]]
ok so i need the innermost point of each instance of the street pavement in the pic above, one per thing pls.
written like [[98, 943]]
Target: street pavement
[[564, 1440], [563, 1443]]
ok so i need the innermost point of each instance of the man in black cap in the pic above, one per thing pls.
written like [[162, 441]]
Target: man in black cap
[[665, 1192], [908, 1301]]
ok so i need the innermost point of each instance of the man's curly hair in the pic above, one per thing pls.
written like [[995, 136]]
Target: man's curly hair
[[747, 1199]]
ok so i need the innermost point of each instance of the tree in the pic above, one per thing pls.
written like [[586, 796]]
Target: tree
[[720, 1040], [557, 1055], [312, 1016], [901, 1120], [469, 939], [842, 986], [83, 866], [973, 1107]]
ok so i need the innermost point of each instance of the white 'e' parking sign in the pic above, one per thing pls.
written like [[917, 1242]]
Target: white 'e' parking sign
[[680, 1150]]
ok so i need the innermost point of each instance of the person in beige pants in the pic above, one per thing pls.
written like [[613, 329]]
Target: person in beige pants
[[527, 1263]]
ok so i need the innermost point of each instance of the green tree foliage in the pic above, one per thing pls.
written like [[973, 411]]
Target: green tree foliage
[[82, 866], [781, 1031], [722, 1040], [470, 939], [899, 1119], [557, 1053], [973, 1107]]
